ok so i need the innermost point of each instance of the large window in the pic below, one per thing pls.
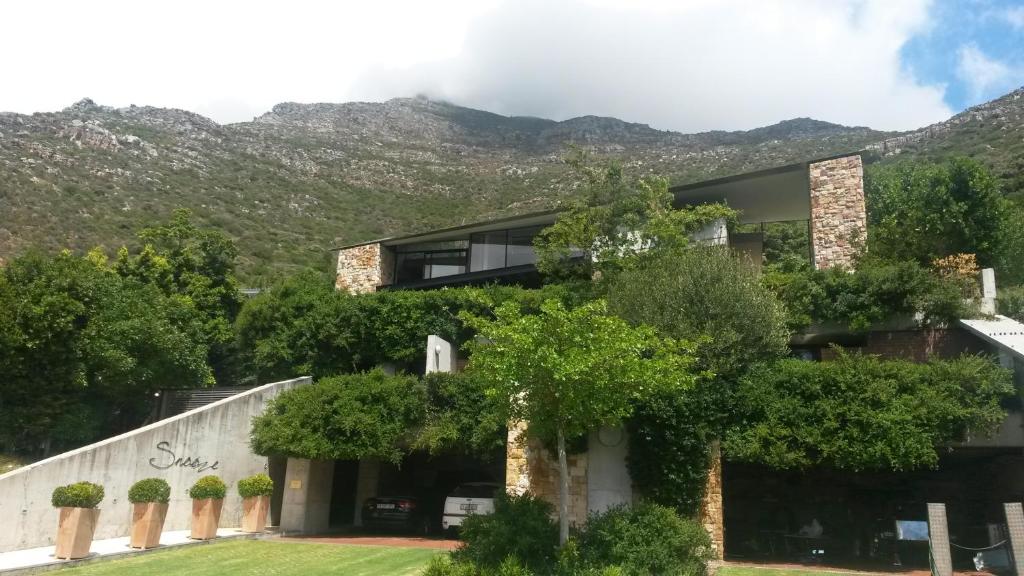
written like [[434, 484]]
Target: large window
[[502, 249], [430, 260]]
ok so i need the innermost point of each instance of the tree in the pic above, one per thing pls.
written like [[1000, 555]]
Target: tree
[[615, 222], [196, 266], [565, 372], [923, 212], [864, 413]]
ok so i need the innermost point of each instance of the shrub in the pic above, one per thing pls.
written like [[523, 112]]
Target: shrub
[[521, 527], [443, 565], [1011, 302], [208, 487], [77, 495], [150, 490], [255, 485], [647, 539]]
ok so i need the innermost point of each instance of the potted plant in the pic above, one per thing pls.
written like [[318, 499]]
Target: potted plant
[[255, 492], [78, 518], [149, 499], [207, 500]]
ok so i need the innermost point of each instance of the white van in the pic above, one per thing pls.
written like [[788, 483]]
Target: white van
[[469, 498]]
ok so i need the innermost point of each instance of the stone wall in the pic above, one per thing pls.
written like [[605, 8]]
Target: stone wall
[[838, 214], [213, 439], [531, 468], [712, 513], [363, 268]]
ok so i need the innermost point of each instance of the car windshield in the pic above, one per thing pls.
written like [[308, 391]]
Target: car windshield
[[475, 491]]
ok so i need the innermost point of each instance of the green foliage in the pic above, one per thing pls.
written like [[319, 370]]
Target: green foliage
[[520, 528], [874, 292], [77, 495], [461, 416], [1011, 302], [208, 487], [150, 490], [255, 485], [921, 212], [443, 565], [646, 540], [614, 222], [349, 417], [861, 412], [82, 350]]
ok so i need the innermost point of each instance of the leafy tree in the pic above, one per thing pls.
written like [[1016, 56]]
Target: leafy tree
[[196, 266], [461, 416], [566, 372], [350, 417], [614, 222], [923, 212], [861, 412]]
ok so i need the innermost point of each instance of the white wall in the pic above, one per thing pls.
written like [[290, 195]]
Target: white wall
[[608, 481], [215, 437]]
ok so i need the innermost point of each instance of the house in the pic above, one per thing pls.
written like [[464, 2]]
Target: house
[[748, 509]]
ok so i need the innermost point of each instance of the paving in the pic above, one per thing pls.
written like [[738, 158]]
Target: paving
[[33, 560]]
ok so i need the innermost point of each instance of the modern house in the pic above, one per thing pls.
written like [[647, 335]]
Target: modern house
[[750, 511]]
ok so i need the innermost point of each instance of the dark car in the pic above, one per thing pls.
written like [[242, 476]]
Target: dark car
[[399, 513]]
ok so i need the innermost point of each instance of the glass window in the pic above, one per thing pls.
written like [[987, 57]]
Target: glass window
[[487, 250], [520, 246], [410, 266], [446, 264]]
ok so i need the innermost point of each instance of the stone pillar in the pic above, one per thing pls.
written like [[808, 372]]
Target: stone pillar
[[442, 356], [938, 535], [712, 514], [364, 268], [529, 467], [838, 213], [306, 507], [367, 480]]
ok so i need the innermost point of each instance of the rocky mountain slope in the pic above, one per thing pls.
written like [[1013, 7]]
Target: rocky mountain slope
[[304, 178]]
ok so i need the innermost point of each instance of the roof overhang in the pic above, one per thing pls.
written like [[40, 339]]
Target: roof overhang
[[1004, 333], [776, 195]]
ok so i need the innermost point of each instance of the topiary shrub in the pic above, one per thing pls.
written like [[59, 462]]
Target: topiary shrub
[[150, 490], [77, 495], [647, 539], [208, 487], [255, 485], [520, 526]]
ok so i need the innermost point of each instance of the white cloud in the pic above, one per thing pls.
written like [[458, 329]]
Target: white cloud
[[982, 75], [696, 65], [1014, 16]]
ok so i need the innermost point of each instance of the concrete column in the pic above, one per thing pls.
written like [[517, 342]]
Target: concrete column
[[608, 481], [442, 356], [712, 513], [988, 291], [306, 508], [367, 479], [1015, 526], [838, 213], [938, 534], [714, 234]]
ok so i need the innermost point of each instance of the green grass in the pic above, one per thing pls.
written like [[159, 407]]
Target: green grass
[[768, 571], [262, 557]]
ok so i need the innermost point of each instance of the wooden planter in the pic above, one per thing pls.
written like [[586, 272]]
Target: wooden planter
[[147, 524], [254, 513], [74, 532], [205, 518]]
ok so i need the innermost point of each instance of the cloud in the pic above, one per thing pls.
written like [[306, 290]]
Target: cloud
[[982, 75], [1014, 16], [688, 66]]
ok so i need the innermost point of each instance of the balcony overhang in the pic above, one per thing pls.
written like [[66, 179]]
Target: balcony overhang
[[776, 195]]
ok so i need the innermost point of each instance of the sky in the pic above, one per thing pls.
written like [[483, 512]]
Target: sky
[[685, 65]]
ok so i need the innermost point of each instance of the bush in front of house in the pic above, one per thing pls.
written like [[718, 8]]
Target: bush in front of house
[[647, 539], [77, 495], [255, 485], [150, 490], [521, 527], [208, 487]]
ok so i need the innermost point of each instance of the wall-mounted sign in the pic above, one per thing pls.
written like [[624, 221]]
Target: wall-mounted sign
[[168, 459], [296, 484]]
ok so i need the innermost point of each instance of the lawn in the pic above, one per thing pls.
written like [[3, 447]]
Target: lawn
[[266, 557]]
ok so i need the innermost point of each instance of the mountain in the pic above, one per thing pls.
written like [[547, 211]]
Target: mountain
[[304, 178]]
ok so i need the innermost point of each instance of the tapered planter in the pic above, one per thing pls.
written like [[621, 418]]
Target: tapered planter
[[74, 532], [147, 524], [254, 513], [205, 518]]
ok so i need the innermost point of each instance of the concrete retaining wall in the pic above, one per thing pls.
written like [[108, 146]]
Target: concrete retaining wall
[[213, 439]]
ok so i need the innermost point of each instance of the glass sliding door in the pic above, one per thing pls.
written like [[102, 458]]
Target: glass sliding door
[[487, 250], [520, 246]]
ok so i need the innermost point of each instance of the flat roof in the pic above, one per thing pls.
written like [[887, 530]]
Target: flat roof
[[776, 194]]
